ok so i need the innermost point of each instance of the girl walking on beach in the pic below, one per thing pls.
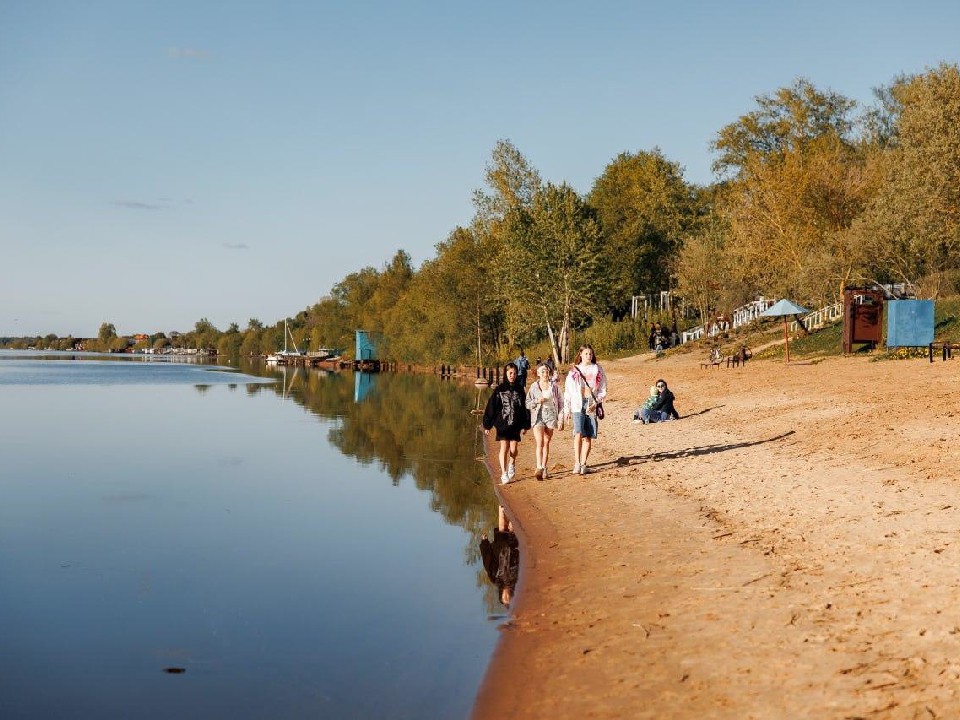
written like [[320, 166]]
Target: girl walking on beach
[[545, 406], [585, 387], [507, 412]]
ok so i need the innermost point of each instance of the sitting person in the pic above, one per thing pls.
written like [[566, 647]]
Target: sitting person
[[648, 404], [663, 409]]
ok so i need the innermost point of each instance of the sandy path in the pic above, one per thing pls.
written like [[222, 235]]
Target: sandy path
[[788, 549]]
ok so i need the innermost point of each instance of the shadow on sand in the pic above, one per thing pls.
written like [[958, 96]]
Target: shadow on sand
[[688, 452], [703, 412]]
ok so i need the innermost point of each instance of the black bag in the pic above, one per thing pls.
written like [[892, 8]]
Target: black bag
[[600, 411]]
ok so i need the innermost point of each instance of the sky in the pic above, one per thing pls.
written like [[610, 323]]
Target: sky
[[163, 162]]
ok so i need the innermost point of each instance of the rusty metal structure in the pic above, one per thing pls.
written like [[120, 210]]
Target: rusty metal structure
[[862, 316]]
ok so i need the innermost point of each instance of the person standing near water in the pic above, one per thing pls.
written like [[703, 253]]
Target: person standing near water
[[506, 411], [546, 415], [586, 385]]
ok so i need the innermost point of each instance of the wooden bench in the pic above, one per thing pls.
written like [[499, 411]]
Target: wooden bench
[[715, 360], [946, 347]]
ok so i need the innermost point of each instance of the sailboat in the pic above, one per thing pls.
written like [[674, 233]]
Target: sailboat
[[282, 357]]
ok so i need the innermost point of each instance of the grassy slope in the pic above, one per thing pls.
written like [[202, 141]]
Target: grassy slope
[[766, 338]]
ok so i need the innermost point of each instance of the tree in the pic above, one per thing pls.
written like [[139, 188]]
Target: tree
[[448, 310], [799, 185], [513, 181], [703, 268], [552, 266], [913, 223], [786, 121], [107, 334], [514, 184], [644, 207], [205, 334]]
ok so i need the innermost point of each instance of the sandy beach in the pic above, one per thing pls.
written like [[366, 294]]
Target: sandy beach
[[787, 549]]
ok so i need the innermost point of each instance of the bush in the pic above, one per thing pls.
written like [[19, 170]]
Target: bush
[[611, 338]]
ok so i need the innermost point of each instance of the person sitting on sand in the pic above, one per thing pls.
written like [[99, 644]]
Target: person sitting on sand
[[663, 409], [648, 404]]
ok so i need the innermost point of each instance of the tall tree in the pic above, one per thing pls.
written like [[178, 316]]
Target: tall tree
[[645, 208], [512, 181], [913, 224], [552, 266], [797, 188], [704, 269], [785, 121], [107, 333]]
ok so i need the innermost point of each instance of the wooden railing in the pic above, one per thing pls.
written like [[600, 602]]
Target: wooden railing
[[746, 314], [819, 318]]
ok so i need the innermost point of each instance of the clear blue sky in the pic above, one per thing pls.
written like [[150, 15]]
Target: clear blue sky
[[171, 160]]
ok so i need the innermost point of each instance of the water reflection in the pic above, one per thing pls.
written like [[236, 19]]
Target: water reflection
[[220, 538], [501, 558], [409, 425]]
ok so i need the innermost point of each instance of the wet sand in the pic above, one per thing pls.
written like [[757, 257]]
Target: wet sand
[[789, 548]]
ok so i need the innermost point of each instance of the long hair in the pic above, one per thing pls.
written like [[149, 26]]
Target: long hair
[[593, 353]]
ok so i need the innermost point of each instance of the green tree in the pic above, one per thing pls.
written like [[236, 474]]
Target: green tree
[[645, 208], [552, 267], [512, 181], [205, 334], [107, 333]]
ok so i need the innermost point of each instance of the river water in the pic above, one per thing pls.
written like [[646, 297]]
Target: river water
[[181, 540]]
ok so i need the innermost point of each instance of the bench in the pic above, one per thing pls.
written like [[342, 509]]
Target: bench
[[715, 360]]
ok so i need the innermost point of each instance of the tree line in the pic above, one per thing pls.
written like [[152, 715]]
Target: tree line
[[812, 193]]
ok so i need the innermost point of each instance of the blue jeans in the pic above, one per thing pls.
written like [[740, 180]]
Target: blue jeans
[[652, 416]]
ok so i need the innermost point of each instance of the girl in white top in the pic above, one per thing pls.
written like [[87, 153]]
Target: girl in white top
[[546, 415], [586, 385]]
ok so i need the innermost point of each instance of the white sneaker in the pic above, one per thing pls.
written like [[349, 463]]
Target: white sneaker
[[583, 470], [576, 469], [511, 471], [504, 479], [544, 473]]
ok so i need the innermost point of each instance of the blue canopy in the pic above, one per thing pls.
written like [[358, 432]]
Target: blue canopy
[[783, 307]]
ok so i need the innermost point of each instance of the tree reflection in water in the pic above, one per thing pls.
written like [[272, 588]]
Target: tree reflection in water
[[412, 425]]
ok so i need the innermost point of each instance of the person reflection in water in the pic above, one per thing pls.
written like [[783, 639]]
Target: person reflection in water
[[501, 558]]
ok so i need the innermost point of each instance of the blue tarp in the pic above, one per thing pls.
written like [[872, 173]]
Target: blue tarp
[[909, 323]]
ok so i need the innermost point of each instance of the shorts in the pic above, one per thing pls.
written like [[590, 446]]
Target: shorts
[[508, 434], [585, 425]]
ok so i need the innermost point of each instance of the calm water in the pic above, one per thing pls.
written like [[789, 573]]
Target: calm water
[[184, 541]]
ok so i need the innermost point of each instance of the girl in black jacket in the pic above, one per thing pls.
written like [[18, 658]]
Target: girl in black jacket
[[507, 412]]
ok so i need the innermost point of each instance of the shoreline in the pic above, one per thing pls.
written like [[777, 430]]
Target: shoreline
[[787, 549]]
